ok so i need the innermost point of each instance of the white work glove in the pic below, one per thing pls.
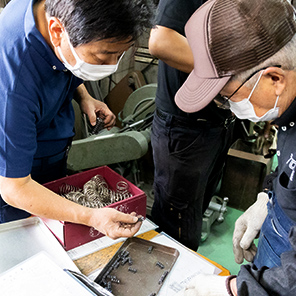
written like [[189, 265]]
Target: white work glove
[[206, 285], [247, 228]]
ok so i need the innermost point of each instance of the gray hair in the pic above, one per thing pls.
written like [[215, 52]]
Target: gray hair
[[285, 57]]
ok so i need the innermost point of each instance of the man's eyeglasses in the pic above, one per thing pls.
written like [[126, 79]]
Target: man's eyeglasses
[[223, 101]]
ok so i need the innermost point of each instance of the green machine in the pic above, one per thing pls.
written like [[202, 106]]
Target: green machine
[[130, 142]]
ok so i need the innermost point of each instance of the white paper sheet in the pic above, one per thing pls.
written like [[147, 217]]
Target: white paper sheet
[[40, 276], [187, 266]]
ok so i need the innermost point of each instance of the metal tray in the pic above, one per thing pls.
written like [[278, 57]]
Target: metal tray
[[21, 239], [145, 258]]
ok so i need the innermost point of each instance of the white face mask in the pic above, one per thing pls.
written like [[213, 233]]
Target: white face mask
[[245, 110], [88, 71]]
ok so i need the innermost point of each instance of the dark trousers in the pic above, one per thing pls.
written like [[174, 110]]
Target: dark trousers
[[44, 170], [188, 161]]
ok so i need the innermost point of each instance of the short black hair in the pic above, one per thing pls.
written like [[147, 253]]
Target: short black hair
[[93, 20]]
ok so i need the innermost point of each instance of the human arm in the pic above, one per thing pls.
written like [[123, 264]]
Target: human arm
[[274, 281], [94, 108], [172, 48], [26, 194]]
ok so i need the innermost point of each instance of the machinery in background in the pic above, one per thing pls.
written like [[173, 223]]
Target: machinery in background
[[249, 160], [118, 144], [215, 212], [253, 150]]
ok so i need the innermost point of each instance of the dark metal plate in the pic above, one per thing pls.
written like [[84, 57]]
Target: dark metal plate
[[148, 263]]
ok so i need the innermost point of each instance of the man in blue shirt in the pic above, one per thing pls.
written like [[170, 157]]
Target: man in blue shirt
[[47, 49]]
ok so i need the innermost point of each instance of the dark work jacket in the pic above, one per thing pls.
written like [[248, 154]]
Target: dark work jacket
[[279, 280]]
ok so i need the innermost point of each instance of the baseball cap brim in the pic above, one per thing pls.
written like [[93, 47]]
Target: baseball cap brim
[[196, 93], [204, 82]]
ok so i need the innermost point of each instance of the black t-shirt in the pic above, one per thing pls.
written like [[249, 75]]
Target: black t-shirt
[[174, 14]]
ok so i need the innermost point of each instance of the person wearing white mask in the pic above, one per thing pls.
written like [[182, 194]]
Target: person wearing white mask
[[47, 49], [85, 70], [246, 51], [245, 110]]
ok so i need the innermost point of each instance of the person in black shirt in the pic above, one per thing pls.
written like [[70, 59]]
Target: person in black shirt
[[189, 150]]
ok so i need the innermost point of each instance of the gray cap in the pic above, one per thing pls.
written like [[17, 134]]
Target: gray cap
[[228, 37]]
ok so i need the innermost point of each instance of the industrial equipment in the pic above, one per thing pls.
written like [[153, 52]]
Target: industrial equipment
[[118, 144]]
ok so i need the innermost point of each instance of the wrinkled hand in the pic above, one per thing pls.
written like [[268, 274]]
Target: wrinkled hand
[[247, 228], [206, 285], [115, 224]]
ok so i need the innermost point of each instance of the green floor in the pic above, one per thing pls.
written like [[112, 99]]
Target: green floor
[[218, 245]]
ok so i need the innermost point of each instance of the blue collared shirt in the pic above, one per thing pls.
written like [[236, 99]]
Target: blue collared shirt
[[37, 117]]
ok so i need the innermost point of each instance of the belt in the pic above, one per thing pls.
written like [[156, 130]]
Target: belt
[[177, 121]]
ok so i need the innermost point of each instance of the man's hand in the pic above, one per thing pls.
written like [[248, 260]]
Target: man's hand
[[25, 193], [115, 224], [247, 228], [210, 285], [94, 108]]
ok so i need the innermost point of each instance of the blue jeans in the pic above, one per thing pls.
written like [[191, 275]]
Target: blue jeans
[[274, 235]]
